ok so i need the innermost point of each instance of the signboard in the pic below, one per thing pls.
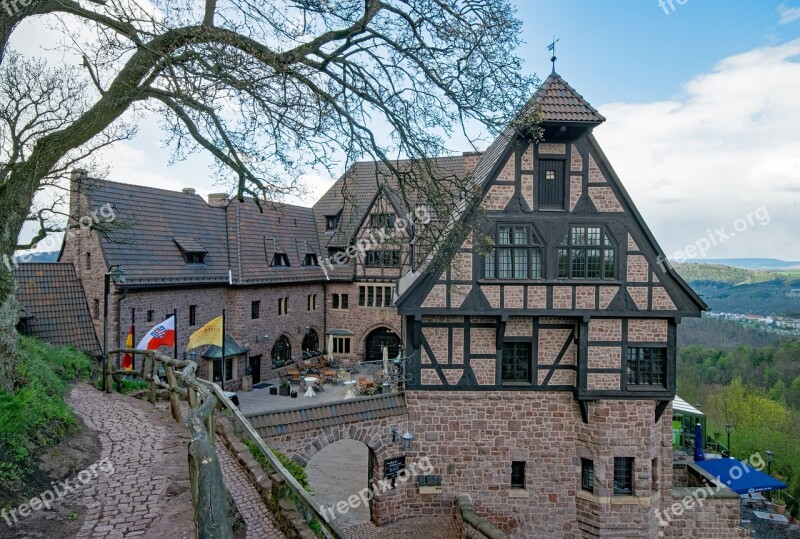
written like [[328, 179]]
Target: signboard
[[392, 467]]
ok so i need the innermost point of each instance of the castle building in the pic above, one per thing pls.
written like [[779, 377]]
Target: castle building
[[541, 369]]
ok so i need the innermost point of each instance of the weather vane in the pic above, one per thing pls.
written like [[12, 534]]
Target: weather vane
[[552, 47]]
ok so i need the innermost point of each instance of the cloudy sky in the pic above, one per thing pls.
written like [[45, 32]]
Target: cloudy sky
[[703, 105]]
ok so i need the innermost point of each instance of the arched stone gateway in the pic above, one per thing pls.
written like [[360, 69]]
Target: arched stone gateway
[[377, 339], [337, 473]]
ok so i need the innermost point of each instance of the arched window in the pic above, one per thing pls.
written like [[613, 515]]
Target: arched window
[[311, 341], [282, 349], [376, 341]]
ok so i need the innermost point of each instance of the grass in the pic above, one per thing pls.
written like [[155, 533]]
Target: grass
[[297, 471], [129, 385], [35, 415]]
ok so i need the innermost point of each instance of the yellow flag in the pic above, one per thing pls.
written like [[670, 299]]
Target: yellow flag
[[211, 333]]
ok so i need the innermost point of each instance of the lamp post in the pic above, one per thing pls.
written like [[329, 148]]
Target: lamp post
[[118, 275], [729, 429], [769, 462]]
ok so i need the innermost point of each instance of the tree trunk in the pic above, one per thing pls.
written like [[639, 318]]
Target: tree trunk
[[9, 340]]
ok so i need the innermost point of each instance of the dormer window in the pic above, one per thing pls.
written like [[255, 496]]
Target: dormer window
[[191, 250], [310, 260], [330, 222], [280, 260]]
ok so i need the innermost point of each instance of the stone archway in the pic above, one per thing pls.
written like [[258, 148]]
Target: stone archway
[[377, 339], [337, 473]]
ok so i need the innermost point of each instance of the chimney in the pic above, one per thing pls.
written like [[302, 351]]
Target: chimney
[[218, 200], [77, 204], [188, 190]]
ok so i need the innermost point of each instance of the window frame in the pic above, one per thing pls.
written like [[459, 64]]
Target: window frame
[[640, 374], [342, 345], [280, 353], [310, 259], [378, 258], [567, 249], [623, 476], [368, 296], [518, 468], [283, 306], [280, 260], [533, 245], [255, 310], [149, 316], [587, 474], [382, 220], [330, 222], [192, 315], [517, 345]]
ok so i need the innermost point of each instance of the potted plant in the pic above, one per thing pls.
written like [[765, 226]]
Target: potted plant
[[284, 389], [294, 393], [780, 504]]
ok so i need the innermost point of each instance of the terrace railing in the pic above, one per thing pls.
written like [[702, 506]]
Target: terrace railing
[[209, 498]]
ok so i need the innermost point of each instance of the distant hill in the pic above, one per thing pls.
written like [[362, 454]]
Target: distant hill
[[735, 290], [51, 256], [724, 334], [750, 263]]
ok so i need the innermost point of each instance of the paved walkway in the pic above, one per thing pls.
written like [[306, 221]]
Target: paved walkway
[[412, 528], [256, 516], [142, 489]]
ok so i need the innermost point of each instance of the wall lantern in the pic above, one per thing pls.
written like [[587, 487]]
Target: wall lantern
[[407, 439]]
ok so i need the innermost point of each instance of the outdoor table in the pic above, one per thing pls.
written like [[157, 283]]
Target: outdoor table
[[763, 517], [310, 383], [349, 384]]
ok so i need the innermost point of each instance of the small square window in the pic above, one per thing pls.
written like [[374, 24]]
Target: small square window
[[550, 175], [330, 222], [587, 475], [518, 474]]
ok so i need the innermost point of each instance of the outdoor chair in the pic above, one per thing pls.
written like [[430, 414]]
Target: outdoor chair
[[364, 385], [329, 375]]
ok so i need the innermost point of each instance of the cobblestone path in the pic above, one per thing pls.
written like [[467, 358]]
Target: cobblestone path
[[142, 489], [256, 516], [412, 528]]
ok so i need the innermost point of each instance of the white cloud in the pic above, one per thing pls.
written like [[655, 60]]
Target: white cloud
[[727, 147], [788, 14]]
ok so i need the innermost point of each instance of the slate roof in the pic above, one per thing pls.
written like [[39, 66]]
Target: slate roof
[[255, 237], [328, 415], [559, 102], [232, 348], [353, 193], [54, 305], [149, 225]]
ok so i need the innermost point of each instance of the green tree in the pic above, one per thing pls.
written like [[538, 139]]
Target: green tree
[[272, 88]]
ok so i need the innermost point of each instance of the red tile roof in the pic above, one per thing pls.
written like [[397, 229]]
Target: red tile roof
[[559, 102]]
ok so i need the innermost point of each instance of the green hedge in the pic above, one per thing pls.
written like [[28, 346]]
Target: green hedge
[[35, 415]]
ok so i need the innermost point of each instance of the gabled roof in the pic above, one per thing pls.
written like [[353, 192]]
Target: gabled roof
[[559, 102], [54, 305], [354, 192], [149, 226]]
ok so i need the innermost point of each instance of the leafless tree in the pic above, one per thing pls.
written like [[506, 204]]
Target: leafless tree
[[272, 88]]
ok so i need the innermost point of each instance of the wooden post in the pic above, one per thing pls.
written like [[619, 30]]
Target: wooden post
[[192, 397], [152, 380], [174, 402]]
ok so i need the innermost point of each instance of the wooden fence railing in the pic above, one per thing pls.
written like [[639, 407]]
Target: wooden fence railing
[[208, 489]]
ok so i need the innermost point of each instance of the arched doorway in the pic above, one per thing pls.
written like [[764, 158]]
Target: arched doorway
[[311, 341], [337, 472], [377, 339]]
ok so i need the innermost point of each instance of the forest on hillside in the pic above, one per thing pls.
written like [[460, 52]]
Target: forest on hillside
[[750, 379]]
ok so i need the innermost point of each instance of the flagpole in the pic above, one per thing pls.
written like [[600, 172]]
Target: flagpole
[[175, 323], [133, 337], [223, 349]]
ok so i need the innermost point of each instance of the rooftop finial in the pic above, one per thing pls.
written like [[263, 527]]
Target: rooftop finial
[[552, 47]]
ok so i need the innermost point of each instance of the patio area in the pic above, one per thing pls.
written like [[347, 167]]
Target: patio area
[[761, 520], [315, 383]]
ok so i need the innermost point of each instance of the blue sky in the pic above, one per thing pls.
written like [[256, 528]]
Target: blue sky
[[632, 50], [702, 105]]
